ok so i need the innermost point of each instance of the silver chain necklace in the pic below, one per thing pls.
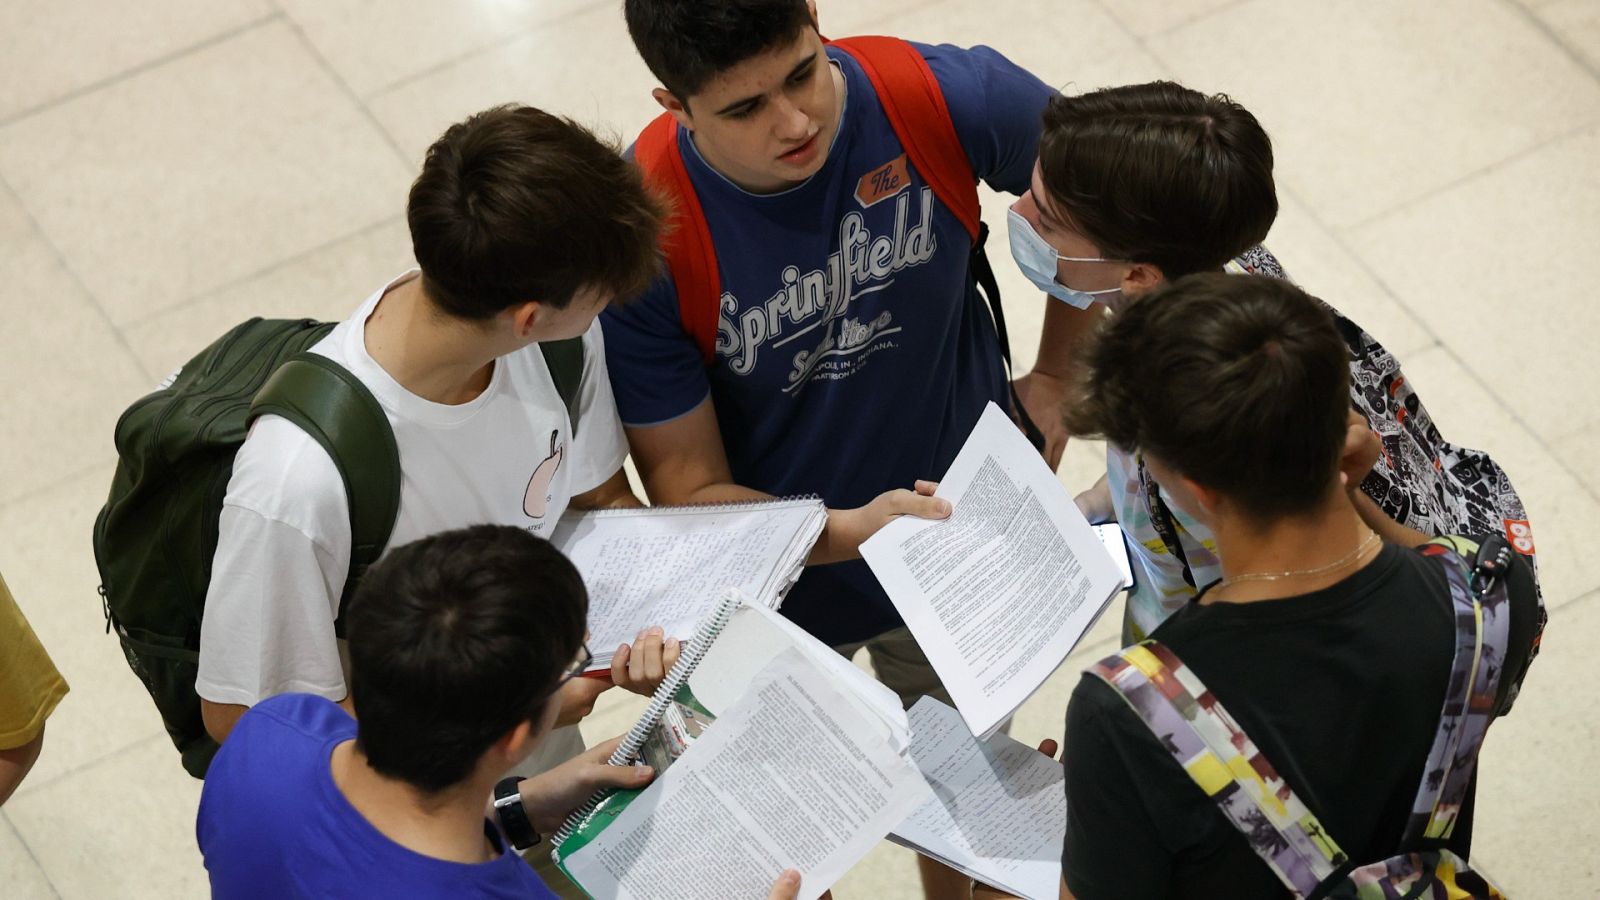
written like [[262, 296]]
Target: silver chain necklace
[[1275, 576]]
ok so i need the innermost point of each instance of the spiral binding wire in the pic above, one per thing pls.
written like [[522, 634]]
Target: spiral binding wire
[[709, 628]]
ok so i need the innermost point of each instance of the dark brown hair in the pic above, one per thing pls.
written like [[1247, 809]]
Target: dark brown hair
[[1159, 173], [455, 640], [1238, 382], [515, 204], [686, 43]]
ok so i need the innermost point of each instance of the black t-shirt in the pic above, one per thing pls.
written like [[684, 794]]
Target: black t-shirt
[[1340, 689]]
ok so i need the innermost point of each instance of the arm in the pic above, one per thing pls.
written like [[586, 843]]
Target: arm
[[683, 461], [613, 493], [1044, 389], [16, 762]]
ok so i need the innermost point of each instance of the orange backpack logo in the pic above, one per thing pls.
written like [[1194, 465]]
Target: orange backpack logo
[[883, 182]]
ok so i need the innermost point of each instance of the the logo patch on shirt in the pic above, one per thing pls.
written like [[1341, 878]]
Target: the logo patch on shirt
[[883, 182]]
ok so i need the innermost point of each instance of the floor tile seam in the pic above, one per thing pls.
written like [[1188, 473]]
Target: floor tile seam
[[53, 484], [28, 849], [1539, 24], [497, 43], [1340, 240], [1576, 600], [1488, 388], [268, 269], [72, 273], [1483, 170], [344, 87], [1191, 20], [141, 68], [32, 787]]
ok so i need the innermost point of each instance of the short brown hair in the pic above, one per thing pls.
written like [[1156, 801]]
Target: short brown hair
[[1159, 173], [1238, 382], [515, 204]]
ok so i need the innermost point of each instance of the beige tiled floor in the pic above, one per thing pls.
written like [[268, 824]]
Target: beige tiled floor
[[172, 166]]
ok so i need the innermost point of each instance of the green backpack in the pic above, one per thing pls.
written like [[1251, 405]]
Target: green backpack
[[156, 536]]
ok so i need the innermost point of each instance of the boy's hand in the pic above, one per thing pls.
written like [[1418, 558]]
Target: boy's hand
[[577, 698], [550, 796], [1095, 503], [787, 887], [1042, 396], [641, 667], [1361, 452], [847, 528]]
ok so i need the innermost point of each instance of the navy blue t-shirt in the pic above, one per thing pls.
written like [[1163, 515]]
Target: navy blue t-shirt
[[273, 824], [854, 354]]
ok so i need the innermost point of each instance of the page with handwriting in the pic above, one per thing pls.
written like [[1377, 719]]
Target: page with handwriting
[[998, 811], [668, 566]]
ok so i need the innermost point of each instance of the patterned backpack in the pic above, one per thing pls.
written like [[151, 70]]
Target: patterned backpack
[[1193, 725]]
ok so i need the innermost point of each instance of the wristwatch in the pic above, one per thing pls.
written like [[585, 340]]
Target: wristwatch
[[513, 818]]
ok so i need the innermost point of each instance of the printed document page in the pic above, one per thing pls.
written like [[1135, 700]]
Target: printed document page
[[668, 566], [791, 776], [998, 811], [998, 594]]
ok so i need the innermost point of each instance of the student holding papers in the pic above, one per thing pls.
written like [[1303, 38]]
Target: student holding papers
[[305, 801], [1332, 652]]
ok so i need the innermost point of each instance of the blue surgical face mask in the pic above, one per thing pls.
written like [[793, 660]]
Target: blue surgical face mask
[[1037, 260]]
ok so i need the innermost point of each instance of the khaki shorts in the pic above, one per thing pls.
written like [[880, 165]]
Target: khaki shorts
[[899, 663]]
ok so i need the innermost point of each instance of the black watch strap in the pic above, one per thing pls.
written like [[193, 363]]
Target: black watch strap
[[513, 818]]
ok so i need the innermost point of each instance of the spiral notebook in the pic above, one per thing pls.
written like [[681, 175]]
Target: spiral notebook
[[747, 717], [667, 565]]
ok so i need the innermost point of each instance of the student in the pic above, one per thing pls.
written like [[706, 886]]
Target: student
[[1331, 649], [459, 646], [524, 226], [1142, 184], [855, 353], [30, 688]]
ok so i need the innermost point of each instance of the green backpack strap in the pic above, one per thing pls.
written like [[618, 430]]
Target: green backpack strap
[[326, 401], [564, 359]]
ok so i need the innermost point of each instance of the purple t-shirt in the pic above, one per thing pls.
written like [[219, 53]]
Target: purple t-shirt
[[274, 825], [854, 354]]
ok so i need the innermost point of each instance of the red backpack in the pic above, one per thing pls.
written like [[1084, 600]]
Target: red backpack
[[912, 100]]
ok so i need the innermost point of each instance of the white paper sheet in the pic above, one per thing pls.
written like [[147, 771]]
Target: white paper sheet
[[668, 566], [1116, 545], [998, 810], [998, 594], [791, 776]]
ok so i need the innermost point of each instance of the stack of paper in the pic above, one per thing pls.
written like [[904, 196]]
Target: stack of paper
[[667, 566], [998, 594]]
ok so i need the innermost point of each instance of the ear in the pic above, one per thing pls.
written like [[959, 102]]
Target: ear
[[525, 318], [811, 7], [516, 743], [679, 110], [1209, 499], [1142, 278]]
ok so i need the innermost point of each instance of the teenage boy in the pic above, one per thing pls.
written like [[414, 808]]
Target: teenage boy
[[524, 226], [1139, 185], [459, 646], [855, 354], [1330, 648]]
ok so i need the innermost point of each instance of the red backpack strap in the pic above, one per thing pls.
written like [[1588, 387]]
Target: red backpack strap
[[916, 109], [686, 239]]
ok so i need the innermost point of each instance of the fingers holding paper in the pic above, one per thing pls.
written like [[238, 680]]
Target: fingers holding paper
[[847, 528], [641, 667], [549, 796]]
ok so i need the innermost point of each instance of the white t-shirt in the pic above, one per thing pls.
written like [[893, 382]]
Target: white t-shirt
[[506, 457]]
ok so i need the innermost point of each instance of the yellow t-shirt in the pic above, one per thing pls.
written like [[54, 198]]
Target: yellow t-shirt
[[30, 686]]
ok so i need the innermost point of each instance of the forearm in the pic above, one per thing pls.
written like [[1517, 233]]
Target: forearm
[[15, 764], [1064, 331], [614, 493], [1388, 529]]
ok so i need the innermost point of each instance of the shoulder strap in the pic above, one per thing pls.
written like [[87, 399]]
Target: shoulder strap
[[326, 401], [686, 239], [1206, 742], [1483, 626], [564, 359], [915, 106]]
